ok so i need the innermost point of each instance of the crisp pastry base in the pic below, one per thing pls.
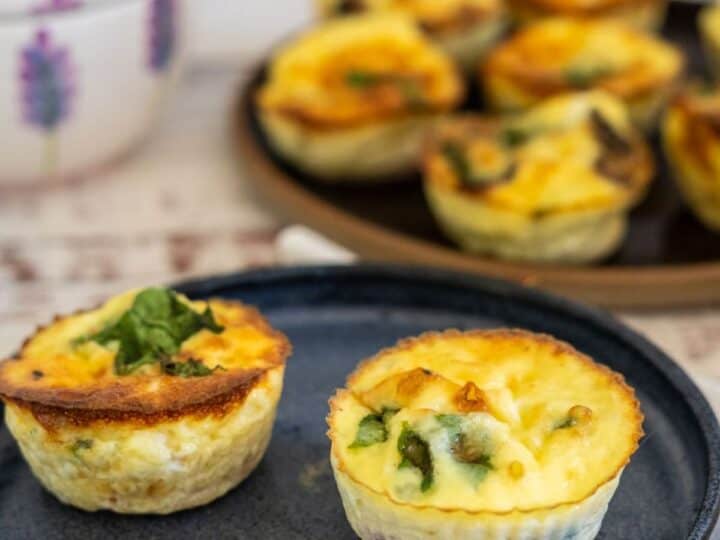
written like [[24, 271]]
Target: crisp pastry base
[[568, 237], [374, 516], [159, 468], [373, 152]]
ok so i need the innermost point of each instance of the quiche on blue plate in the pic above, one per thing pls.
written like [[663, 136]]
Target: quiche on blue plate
[[150, 403], [499, 434]]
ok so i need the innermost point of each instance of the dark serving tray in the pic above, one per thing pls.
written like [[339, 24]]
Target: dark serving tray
[[338, 316], [667, 258]]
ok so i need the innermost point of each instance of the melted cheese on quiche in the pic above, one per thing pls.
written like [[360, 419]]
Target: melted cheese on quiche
[[433, 15], [357, 70], [53, 358], [562, 54], [555, 166], [511, 421]]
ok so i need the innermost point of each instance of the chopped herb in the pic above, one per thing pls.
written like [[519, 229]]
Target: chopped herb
[[81, 444], [407, 85], [514, 136], [153, 329], [478, 471], [415, 452], [585, 76], [454, 153], [472, 452], [566, 423], [190, 368], [363, 79], [372, 429], [451, 422], [37, 374]]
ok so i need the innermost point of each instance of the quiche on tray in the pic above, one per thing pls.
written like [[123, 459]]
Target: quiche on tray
[[559, 55], [352, 99], [554, 184]]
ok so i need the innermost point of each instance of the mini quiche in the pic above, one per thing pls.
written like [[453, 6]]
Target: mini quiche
[[150, 403], [552, 185], [561, 54], [352, 99], [465, 29], [499, 434], [641, 14], [710, 32], [691, 136]]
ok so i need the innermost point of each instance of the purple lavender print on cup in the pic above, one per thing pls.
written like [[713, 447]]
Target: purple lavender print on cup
[[46, 89], [161, 46]]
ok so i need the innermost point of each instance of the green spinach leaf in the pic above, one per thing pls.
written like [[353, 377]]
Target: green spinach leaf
[[153, 329], [372, 429], [415, 452]]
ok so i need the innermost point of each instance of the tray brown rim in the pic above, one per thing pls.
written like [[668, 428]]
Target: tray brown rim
[[626, 287]]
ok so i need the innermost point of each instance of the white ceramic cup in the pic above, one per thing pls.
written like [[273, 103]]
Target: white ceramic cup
[[83, 81]]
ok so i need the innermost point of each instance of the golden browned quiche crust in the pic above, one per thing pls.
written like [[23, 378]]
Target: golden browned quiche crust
[[145, 399]]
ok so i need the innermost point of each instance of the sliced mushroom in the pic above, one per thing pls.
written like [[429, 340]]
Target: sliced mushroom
[[617, 159]]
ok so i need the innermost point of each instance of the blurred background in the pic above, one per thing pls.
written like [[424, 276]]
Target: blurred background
[[173, 208], [165, 201]]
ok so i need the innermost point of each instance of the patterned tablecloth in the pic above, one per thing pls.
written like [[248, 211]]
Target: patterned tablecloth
[[177, 209]]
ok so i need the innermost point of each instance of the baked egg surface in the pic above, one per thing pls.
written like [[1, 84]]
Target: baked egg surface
[[557, 55], [571, 152], [358, 70]]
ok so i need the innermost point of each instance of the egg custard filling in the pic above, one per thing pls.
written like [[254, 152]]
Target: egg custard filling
[[553, 184], [641, 14], [353, 96], [558, 55], [691, 136], [505, 433], [150, 403], [463, 28]]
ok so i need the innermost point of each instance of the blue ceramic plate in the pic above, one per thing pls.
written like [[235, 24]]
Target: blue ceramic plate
[[338, 316]]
